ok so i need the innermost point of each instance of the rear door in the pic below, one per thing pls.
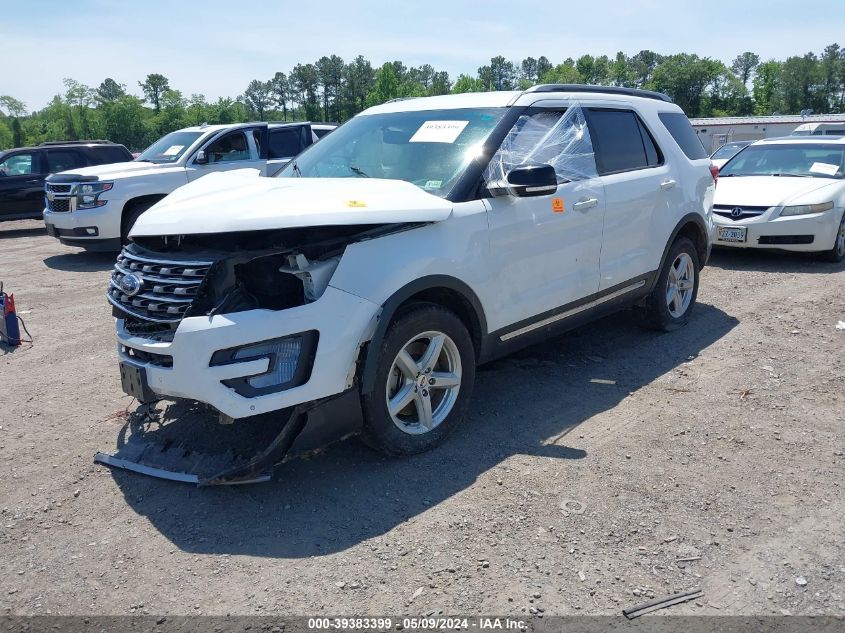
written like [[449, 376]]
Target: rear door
[[285, 143], [22, 184], [234, 149], [640, 188]]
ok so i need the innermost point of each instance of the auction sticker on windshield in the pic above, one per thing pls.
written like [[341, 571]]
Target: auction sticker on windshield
[[732, 233], [173, 150], [438, 132], [824, 168]]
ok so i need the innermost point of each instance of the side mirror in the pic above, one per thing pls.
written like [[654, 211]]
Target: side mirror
[[526, 181], [201, 158]]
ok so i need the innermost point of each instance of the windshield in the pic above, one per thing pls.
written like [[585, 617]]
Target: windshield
[[429, 148], [170, 148], [800, 160], [726, 151]]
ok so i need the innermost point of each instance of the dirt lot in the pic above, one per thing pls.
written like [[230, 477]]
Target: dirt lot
[[714, 459]]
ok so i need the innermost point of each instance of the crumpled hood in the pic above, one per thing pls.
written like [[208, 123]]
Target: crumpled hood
[[767, 191], [239, 200], [116, 171]]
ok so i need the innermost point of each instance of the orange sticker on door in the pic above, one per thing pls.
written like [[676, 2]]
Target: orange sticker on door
[[557, 205]]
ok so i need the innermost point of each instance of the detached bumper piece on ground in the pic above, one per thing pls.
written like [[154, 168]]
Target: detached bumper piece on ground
[[153, 451]]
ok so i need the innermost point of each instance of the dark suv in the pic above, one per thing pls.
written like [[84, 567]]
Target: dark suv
[[23, 170]]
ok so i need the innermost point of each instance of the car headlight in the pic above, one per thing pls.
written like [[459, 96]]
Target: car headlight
[[88, 194], [804, 209]]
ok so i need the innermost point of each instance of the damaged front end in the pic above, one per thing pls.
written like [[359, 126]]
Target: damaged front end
[[202, 318]]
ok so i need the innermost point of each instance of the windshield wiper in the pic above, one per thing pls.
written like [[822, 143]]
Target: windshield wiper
[[296, 169], [358, 171]]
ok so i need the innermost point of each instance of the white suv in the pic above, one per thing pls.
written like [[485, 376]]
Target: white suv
[[96, 207], [420, 239]]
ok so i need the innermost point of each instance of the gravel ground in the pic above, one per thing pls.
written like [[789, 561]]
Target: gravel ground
[[711, 457]]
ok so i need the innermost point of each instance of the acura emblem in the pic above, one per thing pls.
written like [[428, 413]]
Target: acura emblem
[[736, 212], [131, 285]]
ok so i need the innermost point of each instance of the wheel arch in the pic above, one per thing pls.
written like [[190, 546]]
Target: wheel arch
[[443, 290], [133, 203], [693, 227]]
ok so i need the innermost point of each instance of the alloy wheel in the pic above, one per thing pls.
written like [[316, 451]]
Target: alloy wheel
[[680, 285], [423, 382]]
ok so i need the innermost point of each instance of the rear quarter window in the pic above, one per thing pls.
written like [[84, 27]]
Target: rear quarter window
[[679, 127]]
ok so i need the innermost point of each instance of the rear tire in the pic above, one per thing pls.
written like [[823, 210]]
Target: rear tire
[[423, 381], [670, 303], [130, 216], [837, 253]]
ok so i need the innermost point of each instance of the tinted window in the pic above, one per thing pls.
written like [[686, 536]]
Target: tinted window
[[19, 165], [321, 132], [106, 155], [285, 143], [63, 159], [652, 152], [679, 127], [618, 142]]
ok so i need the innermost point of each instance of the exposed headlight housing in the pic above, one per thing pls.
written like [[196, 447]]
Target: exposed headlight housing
[[805, 209], [88, 194]]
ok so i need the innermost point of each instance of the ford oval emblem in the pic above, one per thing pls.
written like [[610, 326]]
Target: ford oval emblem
[[131, 285], [736, 212]]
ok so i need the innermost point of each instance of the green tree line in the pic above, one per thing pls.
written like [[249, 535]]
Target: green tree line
[[331, 89]]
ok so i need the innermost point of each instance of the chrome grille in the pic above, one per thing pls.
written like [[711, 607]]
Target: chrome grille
[[166, 290], [59, 197], [727, 211]]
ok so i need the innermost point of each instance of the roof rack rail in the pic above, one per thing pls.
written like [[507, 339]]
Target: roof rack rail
[[614, 90], [98, 141]]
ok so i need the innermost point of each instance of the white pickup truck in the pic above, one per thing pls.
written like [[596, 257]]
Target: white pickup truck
[[95, 207]]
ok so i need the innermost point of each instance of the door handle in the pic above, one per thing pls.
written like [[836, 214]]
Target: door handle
[[666, 185], [583, 205]]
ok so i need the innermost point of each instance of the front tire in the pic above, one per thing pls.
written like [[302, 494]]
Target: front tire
[[837, 253], [670, 303], [423, 383]]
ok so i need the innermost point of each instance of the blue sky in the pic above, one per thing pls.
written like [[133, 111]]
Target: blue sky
[[216, 47]]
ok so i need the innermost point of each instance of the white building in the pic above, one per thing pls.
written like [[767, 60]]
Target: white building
[[716, 131]]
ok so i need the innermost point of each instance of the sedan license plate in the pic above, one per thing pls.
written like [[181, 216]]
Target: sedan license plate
[[134, 382], [732, 233]]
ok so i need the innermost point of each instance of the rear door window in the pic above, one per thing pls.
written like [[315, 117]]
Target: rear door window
[[679, 127], [286, 142], [63, 159], [619, 142]]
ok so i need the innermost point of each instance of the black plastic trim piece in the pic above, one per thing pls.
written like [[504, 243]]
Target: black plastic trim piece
[[494, 347], [98, 245], [431, 282], [613, 90], [786, 239]]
